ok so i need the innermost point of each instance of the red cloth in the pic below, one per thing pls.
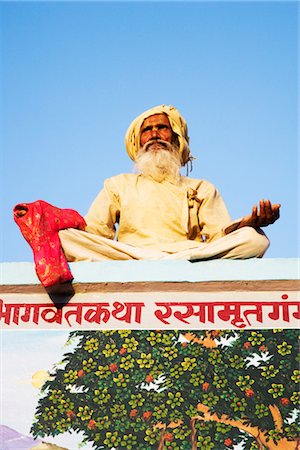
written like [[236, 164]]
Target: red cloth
[[39, 223]]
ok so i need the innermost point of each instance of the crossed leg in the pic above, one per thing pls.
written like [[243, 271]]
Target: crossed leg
[[243, 243]]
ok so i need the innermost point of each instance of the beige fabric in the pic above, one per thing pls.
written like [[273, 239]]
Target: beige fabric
[[178, 125], [240, 244], [157, 215], [157, 221]]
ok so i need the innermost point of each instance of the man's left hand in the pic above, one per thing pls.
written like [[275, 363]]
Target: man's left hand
[[262, 217]]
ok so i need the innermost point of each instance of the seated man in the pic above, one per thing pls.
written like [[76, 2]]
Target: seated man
[[159, 213]]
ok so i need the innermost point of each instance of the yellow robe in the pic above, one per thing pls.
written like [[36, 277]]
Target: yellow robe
[[157, 215]]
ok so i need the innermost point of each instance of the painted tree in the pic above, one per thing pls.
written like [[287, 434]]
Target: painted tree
[[152, 390]]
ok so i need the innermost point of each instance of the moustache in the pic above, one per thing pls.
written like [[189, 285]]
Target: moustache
[[162, 143]]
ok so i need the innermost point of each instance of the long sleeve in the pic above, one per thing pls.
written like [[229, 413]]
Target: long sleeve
[[104, 212], [213, 214], [158, 215]]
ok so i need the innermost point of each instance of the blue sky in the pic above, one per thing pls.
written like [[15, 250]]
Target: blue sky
[[74, 75]]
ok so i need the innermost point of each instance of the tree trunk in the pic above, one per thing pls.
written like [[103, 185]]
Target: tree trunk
[[259, 444], [162, 426], [161, 440], [193, 435]]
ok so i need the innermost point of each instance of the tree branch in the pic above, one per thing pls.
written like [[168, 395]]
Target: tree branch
[[260, 436], [207, 342], [278, 422], [208, 416]]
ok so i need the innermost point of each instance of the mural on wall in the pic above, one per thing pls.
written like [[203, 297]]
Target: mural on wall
[[164, 390]]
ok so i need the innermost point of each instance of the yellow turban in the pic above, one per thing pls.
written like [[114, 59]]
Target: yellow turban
[[178, 125]]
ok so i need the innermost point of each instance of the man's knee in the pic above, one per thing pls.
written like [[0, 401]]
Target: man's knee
[[65, 237], [62, 234], [256, 241]]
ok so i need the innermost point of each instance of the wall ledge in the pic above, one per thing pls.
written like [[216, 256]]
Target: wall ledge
[[228, 271], [218, 294]]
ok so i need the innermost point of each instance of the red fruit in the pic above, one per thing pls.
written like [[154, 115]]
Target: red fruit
[[80, 373], [169, 437], [149, 378], [113, 367], [133, 413], [263, 348], [147, 415], [91, 424], [122, 350], [247, 345], [205, 386], [284, 401], [249, 392], [228, 442], [215, 333], [184, 344], [70, 414]]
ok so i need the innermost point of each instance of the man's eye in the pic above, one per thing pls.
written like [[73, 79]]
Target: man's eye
[[162, 127], [146, 129]]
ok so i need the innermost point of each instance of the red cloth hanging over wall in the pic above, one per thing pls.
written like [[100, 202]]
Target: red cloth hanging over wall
[[40, 223]]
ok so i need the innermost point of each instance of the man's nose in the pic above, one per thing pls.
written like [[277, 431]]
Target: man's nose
[[154, 133]]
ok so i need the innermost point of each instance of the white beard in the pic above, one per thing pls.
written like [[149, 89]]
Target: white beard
[[161, 162]]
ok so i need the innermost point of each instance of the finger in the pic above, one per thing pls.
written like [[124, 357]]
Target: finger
[[276, 207], [254, 211], [272, 212], [276, 212], [262, 213], [268, 207], [269, 213], [262, 208], [254, 216]]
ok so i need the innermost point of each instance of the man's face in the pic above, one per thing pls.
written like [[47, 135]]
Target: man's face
[[156, 127]]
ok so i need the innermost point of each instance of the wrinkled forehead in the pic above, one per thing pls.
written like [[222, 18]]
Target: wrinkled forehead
[[156, 119]]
